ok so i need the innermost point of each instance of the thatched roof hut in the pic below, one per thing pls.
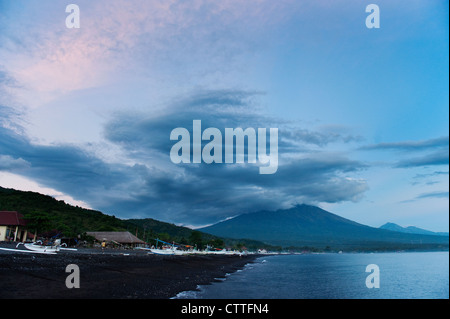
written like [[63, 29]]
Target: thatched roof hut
[[121, 237]]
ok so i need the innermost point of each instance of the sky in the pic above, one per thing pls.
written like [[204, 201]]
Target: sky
[[362, 113]]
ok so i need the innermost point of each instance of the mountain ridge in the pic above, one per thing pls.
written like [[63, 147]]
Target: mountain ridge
[[306, 225], [72, 221], [411, 229]]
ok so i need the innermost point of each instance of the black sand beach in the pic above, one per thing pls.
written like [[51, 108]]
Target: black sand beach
[[110, 275]]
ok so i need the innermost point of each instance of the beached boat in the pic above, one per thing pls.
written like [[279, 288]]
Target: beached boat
[[29, 251], [159, 251], [174, 249], [41, 248], [38, 247], [33, 248], [166, 249]]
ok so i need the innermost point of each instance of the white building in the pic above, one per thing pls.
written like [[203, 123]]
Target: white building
[[12, 226]]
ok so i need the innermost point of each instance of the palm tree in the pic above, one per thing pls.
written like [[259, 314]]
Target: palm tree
[[39, 222]]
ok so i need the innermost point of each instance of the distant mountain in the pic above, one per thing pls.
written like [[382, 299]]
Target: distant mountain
[[411, 230], [310, 226]]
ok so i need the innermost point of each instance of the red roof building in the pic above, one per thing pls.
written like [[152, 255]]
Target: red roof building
[[12, 226], [8, 218]]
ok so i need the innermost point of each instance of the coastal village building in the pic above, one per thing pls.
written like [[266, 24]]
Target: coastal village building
[[120, 237], [12, 226]]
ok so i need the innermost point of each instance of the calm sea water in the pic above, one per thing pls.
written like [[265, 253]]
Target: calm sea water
[[423, 275]]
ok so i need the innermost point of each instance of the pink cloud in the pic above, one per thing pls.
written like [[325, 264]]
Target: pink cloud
[[117, 36]]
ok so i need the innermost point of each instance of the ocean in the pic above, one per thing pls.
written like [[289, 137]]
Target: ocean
[[405, 275]]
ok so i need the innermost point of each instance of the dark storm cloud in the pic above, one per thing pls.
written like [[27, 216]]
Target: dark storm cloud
[[220, 109], [150, 185], [64, 167], [206, 193]]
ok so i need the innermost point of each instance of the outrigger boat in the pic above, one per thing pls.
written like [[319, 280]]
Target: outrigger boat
[[169, 249], [172, 249], [164, 251], [39, 248]]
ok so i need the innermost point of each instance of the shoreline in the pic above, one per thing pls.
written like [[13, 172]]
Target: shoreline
[[112, 274]]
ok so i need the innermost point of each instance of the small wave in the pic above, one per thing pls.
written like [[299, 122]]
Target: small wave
[[200, 290], [190, 294]]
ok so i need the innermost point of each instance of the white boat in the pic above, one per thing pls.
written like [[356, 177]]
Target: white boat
[[161, 251], [158, 251], [166, 249], [172, 249], [37, 247], [34, 248], [169, 251], [222, 252], [41, 248], [28, 251]]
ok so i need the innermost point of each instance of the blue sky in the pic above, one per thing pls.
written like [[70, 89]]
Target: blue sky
[[86, 114]]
